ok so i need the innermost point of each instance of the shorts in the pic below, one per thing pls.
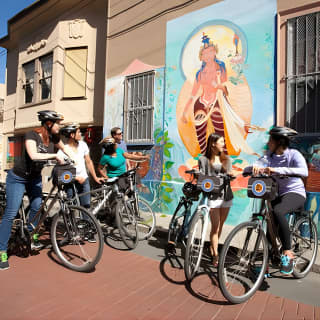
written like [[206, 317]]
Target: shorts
[[219, 204]]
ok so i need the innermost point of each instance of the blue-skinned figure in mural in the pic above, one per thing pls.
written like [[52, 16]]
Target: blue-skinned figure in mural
[[209, 98]]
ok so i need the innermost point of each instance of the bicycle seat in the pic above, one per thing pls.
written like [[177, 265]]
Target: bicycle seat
[[111, 181]]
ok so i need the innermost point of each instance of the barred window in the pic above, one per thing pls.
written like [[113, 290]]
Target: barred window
[[139, 108], [29, 70], [303, 71], [46, 76]]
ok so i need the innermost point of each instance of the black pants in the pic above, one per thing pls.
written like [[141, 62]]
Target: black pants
[[287, 203]]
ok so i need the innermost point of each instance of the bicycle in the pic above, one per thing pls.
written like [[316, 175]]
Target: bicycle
[[73, 228], [109, 201], [200, 221], [178, 226], [144, 215], [244, 257]]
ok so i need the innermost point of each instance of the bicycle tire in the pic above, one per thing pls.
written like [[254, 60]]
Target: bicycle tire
[[146, 220], [126, 223], [301, 239], [77, 239], [195, 244], [240, 259]]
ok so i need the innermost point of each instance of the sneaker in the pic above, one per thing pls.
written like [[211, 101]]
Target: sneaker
[[35, 243], [286, 265], [90, 238], [4, 264]]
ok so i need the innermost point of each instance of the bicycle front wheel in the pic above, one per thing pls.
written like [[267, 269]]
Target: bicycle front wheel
[[195, 244], [126, 223], [77, 238], [146, 220], [304, 246], [243, 262]]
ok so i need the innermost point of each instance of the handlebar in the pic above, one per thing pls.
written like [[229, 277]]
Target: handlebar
[[50, 162], [226, 176], [274, 175]]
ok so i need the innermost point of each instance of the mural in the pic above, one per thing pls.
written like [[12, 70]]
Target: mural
[[220, 78]]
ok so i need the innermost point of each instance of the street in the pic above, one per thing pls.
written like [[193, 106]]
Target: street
[[140, 284]]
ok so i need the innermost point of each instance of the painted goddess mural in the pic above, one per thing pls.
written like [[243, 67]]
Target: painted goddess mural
[[218, 98]]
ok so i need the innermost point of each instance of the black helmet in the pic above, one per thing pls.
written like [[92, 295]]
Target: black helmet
[[191, 191], [49, 115], [282, 132], [69, 128]]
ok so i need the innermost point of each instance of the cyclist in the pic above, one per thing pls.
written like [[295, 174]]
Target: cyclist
[[213, 162], [26, 176], [280, 159], [114, 159], [79, 153]]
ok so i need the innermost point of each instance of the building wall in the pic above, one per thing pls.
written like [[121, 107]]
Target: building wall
[[250, 80]]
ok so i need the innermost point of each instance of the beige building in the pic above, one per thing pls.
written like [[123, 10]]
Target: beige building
[[56, 61]]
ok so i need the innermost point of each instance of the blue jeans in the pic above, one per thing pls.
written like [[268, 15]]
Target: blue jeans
[[15, 188], [81, 188]]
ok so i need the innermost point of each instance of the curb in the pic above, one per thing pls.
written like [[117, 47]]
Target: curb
[[162, 233]]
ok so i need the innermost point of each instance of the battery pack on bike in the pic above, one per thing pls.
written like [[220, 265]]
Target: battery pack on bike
[[262, 188], [63, 174], [210, 184]]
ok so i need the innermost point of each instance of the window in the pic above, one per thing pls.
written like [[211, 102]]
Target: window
[[1, 110], [38, 79], [303, 71], [75, 72], [139, 108], [46, 77], [29, 71]]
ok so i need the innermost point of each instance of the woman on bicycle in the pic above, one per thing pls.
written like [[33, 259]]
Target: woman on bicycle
[[79, 152], [215, 161], [26, 176], [280, 159], [114, 159]]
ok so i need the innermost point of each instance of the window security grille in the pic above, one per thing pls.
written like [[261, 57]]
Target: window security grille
[[139, 108], [303, 71]]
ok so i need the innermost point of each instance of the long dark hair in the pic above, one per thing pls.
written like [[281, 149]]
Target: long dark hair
[[213, 138], [109, 149]]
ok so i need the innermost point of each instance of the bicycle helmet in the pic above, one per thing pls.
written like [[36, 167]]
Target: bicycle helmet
[[70, 128], [49, 115], [282, 132], [107, 142], [191, 191]]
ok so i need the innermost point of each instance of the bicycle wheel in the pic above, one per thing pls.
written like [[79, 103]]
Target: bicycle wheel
[[243, 262], [194, 245], [304, 246], [146, 219], [126, 223], [77, 238]]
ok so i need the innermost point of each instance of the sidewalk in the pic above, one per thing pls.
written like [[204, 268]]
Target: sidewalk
[[127, 286], [163, 225]]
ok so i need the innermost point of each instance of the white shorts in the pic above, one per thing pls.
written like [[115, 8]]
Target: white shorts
[[219, 204]]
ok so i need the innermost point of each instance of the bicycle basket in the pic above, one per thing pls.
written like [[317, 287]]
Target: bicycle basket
[[210, 184], [191, 191], [262, 188], [63, 174]]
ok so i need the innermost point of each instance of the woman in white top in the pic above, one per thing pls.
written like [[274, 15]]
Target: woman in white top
[[79, 152]]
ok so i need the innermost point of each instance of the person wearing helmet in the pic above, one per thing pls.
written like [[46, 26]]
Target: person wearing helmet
[[213, 162], [79, 153], [114, 158], [26, 176], [280, 159]]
